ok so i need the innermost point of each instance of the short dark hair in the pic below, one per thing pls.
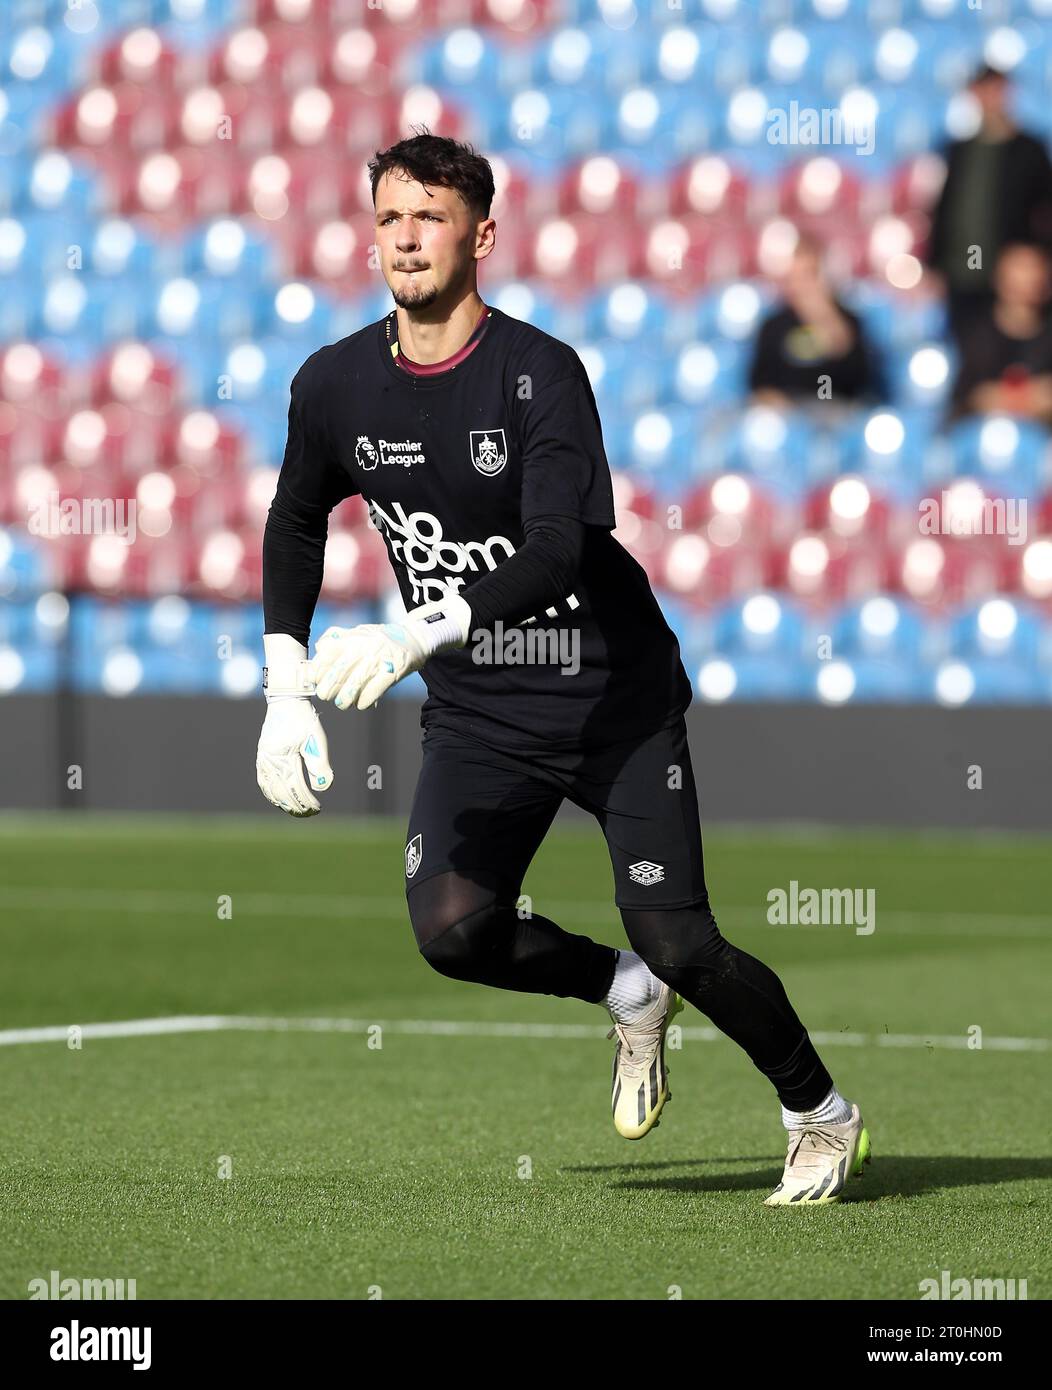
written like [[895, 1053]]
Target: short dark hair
[[1022, 244], [440, 161], [807, 244], [986, 72]]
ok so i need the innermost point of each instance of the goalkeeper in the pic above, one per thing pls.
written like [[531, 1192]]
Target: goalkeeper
[[475, 439]]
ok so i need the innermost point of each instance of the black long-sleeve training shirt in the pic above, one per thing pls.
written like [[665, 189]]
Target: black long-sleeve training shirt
[[489, 479]]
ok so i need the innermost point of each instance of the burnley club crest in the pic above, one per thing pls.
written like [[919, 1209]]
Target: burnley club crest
[[413, 855], [489, 452]]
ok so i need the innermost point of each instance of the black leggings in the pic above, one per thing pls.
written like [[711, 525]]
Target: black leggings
[[468, 927]]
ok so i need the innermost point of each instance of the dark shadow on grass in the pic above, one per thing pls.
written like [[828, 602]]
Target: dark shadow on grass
[[895, 1176]]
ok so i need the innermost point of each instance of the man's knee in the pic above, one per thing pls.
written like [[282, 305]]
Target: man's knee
[[456, 950], [681, 946], [455, 924]]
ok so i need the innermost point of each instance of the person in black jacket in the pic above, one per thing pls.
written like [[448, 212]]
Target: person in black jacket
[[811, 348], [998, 190], [1006, 355]]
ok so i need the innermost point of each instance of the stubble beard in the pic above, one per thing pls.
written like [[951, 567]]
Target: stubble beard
[[414, 296]]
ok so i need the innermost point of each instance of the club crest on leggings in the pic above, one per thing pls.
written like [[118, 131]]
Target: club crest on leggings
[[413, 856]]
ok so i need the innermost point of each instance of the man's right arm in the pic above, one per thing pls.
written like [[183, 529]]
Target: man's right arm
[[293, 564], [310, 484]]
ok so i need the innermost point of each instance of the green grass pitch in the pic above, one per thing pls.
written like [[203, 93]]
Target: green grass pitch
[[476, 1163]]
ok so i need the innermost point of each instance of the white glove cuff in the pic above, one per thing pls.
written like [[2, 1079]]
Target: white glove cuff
[[442, 626], [284, 674]]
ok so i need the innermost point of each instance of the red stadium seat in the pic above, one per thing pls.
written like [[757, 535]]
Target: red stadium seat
[[142, 58], [28, 376], [336, 251], [823, 568], [733, 508], [915, 184], [941, 571], [228, 564], [134, 375], [707, 186], [600, 186], [197, 440], [849, 508], [114, 434], [107, 564], [702, 574], [688, 252], [512, 254], [277, 57], [124, 116], [26, 438], [363, 58], [355, 563], [1028, 568], [819, 188], [24, 490]]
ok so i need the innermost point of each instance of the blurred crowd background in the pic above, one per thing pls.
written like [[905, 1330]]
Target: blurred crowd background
[[800, 245]]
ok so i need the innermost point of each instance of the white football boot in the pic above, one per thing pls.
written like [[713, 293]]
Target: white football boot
[[819, 1161], [639, 1087]]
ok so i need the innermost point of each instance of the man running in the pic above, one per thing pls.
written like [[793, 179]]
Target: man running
[[551, 672]]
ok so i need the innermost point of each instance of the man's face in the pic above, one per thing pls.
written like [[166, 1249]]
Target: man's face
[[992, 95], [1022, 276], [427, 237], [803, 274]]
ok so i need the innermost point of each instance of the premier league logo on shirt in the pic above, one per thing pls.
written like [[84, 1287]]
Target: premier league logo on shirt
[[489, 452], [365, 452]]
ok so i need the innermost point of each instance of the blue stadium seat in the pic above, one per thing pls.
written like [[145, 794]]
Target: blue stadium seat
[[862, 680], [117, 246], [27, 670], [1004, 453], [701, 373], [764, 624], [628, 312], [24, 567], [985, 682], [776, 446], [519, 300], [881, 628], [741, 676], [460, 58], [887, 448], [228, 248], [998, 629]]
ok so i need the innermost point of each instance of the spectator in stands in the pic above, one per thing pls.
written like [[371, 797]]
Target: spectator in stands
[[811, 348], [998, 190], [1006, 355]]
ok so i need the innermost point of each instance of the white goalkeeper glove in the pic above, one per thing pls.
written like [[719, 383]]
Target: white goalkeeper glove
[[291, 731], [356, 665]]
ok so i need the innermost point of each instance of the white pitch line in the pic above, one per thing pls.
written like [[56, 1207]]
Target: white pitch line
[[346, 907], [213, 1023]]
